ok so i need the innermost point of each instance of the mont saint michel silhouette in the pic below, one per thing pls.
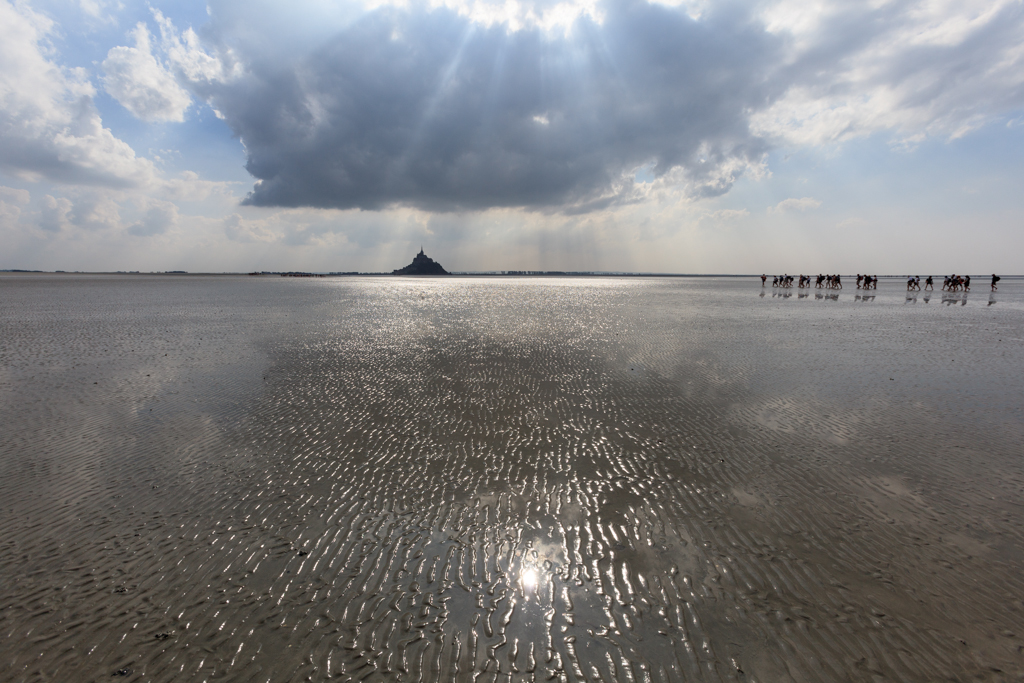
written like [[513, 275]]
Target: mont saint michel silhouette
[[421, 265]]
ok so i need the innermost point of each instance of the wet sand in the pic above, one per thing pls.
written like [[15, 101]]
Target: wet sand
[[269, 479]]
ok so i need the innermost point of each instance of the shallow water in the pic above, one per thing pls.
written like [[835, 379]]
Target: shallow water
[[273, 479]]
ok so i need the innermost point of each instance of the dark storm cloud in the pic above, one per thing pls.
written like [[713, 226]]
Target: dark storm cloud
[[429, 109]]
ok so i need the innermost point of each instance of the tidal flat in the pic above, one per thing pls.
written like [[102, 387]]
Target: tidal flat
[[508, 479]]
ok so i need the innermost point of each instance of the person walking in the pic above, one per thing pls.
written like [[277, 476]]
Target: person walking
[[764, 278], [995, 279]]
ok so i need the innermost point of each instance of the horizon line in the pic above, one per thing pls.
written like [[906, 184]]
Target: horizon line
[[469, 273]]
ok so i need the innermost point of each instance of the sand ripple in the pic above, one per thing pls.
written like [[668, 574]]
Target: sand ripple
[[511, 480]]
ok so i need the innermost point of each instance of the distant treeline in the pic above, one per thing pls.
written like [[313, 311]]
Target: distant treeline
[[298, 274], [548, 272]]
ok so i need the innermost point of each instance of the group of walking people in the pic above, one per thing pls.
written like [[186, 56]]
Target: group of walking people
[[823, 281], [867, 281], [914, 283], [951, 283], [781, 280]]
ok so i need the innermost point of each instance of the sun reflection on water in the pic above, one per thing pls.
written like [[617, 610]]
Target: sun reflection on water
[[528, 578]]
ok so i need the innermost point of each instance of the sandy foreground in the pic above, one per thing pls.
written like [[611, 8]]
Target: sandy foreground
[[269, 479]]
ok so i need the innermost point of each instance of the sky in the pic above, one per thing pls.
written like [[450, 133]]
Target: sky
[[692, 136]]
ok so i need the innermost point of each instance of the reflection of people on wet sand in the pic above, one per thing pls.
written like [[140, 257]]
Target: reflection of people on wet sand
[[995, 279], [951, 298]]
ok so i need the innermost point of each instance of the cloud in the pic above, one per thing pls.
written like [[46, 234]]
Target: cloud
[[852, 222], [49, 127], [11, 202], [141, 84], [190, 60], [54, 214], [189, 187], [14, 196], [92, 8], [914, 68], [95, 211], [237, 229], [427, 108], [147, 79], [553, 106], [159, 216], [793, 204], [476, 104], [727, 214], [99, 213]]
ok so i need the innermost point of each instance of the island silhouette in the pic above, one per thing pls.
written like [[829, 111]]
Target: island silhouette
[[421, 265]]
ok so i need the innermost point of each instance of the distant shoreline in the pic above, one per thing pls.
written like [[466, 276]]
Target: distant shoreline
[[474, 274]]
